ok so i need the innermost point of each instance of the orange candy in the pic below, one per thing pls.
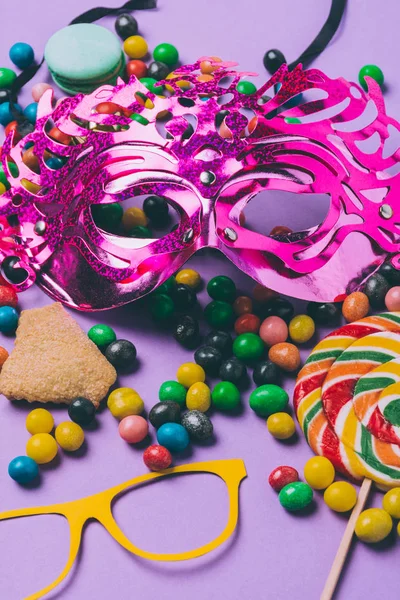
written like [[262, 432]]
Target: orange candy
[[8, 296], [3, 356], [136, 67], [13, 126], [60, 136], [355, 307], [285, 355]]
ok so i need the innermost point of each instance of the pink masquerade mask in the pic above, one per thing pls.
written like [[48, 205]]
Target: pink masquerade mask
[[208, 165]]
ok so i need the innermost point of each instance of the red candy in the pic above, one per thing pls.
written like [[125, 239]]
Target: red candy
[[157, 458], [281, 476], [137, 68], [13, 126], [8, 296], [247, 323]]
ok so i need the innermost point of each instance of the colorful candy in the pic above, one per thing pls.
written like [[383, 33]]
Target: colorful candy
[[173, 436], [121, 354], [21, 54], [8, 296], [225, 396], [282, 476], [279, 307], [198, 425], [70, 436], [370, 71], [391, 502], [190, 373], [286, 356], [301, 329], [156, 208], [23, 469], [172, 391], [166, 53], [340, 496], [243, 305], [392, 299], [355, 306], [248, 347], [319, 472], [39, 420], [3, 356], [162, 307], [246, 87], [209, 358], [8, 319], [138, 68], [281, 426], [165, 412], [273, 331], [102, 335], [222, 340], [198, 397], [7, 78], [189, 277], [373, 525], [126, 26], [135, 46], [132, 217], [268, 399], [184, 297], [323, 313], [39, 89], [123, 402], [42, 448], [247, 323], [376, 289], [233, 370], [186, 331], [295, 496], [81, 411], [266, 372], [222, 288], [219, 314], [157, 458], [133, 429]]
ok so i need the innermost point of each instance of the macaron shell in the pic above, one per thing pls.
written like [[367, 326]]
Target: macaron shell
[[73, 87]]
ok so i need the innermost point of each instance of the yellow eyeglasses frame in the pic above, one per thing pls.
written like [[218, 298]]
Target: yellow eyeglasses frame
[[98, 507]]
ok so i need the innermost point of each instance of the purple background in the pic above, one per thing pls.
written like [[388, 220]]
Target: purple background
[[274, 554]]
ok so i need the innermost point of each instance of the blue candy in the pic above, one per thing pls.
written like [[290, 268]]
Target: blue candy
[[173, 436], [8, 319], [23, 469], [55, 163], [30, 112], [22, 55], [6, 115]]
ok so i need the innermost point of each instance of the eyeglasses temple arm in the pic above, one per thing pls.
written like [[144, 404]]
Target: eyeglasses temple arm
[[29, 512]]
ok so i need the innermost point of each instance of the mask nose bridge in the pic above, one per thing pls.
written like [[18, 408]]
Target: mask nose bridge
[[208, 237]]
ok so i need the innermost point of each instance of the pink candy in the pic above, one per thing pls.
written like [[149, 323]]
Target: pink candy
[[273, 331], [133, 429], [39, 89], [392, 298]]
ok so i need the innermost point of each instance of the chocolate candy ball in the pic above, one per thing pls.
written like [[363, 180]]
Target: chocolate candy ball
[[246, 87], [242, 305], [121, 354], [390, 273], [209, 358], [166, 53], [295, 496], [184, 297], [133, 429], [126, 25], [225, 396], [186, 331], [222, 288], [7, 78], [233, 370], [282, 476], [165, 412], [219, 314], [248, 347], [23, 469], [278, 307], [173, 436], [262, 294], [247, 323], [376, 289], [156, 209], [102, 335], [136, 67], [273, 330], [323, 313], [158, 70], [167, 287], [273, 59], [81, 411], [172, 391], [107, 216], [268, 399], [157, 458], [161, 307], [392, 299], [372, 71], [266, 372], [198, 425], [355, 307], [222, 340]]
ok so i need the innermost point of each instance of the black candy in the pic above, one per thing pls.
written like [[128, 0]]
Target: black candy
[[197, 424], [156, 209], [4, 96], [222, 340], [278, 307], [126, 25], [266, 372], [390, 273], [121, 354], [184, 297], [209, 358], [233, 370], [187, 331], [165, 412], [273, 59], [12, 272], [376, 289], [81, 411], [158, 70], [323, 312]]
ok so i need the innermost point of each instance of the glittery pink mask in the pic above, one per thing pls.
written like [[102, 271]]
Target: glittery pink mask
[[342, 143]]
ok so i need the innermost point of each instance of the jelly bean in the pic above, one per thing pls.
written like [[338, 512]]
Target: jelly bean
[[6, 114], [81, 411], [126, 26], [392, 299], [157, 458], [21, 54], [132, 217], [319, 472], [222, 340], [286, 356], [246, 87], [189, 277], [23, 469], [355, 307], [295, 496], [190, 373], [198, 397], [391, 502], [263, 294], [156, 209], [186, 331], [373, 525], [340, 496], [107, 216], [198, 425], [247, 323], [162, 307], [172, 391], [370, 71], [101, 335], [209, 358], [282, 476], [124, 402], [39, 420], [7, 78], [248, 347], [8, 319], [121, 354], [225, 396], [165, 412], [8, 296], [268, 399], [233, 370], [138, 68], [135, 46], [278, 307], [3, 356], [281, 426], [158, 70], [242, 305], [376, 289], [30, 112], [390, 273], [173, 436], [184, 297], [39, 89], [301, 329], [42, 448], [273, 330], [133, 429], [323, 313], [222, 288], [266, 372], [166, 53], [69, 436], [219, 314]]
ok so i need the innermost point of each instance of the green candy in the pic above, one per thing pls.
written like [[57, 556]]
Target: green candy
[[370, 71], [219, 314], [172, 391], [222, 288], [7, 78], [248, 347], [139, 118], [167, 287], [166, 53], [268, 399], [102, 335], [292, 120], [3, 177], [161, 307], [225, 396], [295, 496], [246, 87], [152, 85], [107, 216], [140, 231]]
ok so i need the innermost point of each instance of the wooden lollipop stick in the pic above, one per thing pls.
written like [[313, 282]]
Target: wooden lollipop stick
[[344, 546]]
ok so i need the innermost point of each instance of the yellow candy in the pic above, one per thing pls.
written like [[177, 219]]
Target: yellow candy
[[135, 46], [132, 217], [190, 373], [69, 436], [340, 496], [281, 425], [42, 448], [39, 420], [373, 525], [182, 83], [2, 188], [189, 277], [124, 402], [319, 472], [301, 329], [391, 502], [198, 397]]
